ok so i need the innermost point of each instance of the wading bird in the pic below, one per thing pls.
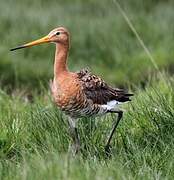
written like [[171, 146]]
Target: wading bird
[[79, 94]]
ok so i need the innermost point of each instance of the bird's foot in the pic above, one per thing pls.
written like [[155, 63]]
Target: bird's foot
[[108, 150], [74, 149]]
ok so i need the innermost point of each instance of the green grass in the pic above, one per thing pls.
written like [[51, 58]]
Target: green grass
[[34, 137]]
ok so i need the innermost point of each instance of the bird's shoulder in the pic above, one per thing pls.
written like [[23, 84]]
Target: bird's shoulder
[[91, 81], [97, 90]]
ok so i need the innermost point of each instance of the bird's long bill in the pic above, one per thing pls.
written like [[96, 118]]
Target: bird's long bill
[[33, 43]]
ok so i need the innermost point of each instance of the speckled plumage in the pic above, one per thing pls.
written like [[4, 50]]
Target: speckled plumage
[[98, 91]]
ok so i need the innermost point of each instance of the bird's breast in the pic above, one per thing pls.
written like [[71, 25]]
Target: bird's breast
[[67, 94]]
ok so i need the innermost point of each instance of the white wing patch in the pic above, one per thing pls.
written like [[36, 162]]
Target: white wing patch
[[111, 105]]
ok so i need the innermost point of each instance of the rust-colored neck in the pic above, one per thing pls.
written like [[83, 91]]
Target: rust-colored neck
[[60, 64]]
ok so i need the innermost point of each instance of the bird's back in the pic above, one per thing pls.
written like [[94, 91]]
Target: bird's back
[[98, 91]]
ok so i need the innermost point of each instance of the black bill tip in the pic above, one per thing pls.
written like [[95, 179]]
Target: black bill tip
[[19, 47]]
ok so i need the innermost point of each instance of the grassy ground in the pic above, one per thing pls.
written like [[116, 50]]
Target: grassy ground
[[34, 138]]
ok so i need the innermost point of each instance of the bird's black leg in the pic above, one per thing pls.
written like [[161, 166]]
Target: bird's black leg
[[75, 136], [107, 147]]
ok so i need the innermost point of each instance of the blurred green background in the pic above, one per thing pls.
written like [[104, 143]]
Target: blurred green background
[[100, 39]]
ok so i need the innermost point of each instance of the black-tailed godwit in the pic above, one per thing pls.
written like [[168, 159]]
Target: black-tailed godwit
[[79, 94]]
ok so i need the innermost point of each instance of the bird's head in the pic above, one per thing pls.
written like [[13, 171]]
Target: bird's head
[[58, 35]]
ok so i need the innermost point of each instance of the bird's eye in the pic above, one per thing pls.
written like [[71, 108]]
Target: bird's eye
[[58, 33]]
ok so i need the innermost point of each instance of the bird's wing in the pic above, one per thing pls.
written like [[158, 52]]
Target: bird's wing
[[98, 91]]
